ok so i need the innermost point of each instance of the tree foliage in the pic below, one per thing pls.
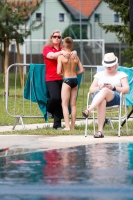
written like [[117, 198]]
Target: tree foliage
[[13, 21], [74, 32], [122, 31], [13, 18]]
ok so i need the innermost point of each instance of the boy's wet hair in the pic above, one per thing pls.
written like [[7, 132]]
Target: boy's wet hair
[[68, 42]]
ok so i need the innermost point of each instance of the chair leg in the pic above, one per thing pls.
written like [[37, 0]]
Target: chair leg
[[119, 123], [86, 126], [111, 124], [94, 128], [126, 120], [119, 127]]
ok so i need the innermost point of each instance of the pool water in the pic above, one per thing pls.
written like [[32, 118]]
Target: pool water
[[92, 172]]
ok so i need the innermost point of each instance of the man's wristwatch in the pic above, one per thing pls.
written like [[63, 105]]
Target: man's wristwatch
[[114, 89]]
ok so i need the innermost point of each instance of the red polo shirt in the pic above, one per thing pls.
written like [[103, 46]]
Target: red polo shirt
[[51, 64]]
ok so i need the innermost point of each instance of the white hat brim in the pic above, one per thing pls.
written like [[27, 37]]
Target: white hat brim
[[110, 64]]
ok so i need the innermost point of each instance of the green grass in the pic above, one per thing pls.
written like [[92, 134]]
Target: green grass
[[26, 108], [23, 107]]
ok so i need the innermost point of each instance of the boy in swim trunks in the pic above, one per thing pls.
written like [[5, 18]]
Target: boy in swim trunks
[[66, 68]]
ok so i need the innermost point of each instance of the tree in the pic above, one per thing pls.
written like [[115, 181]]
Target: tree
[[74, 32], [122, 31], [13, 15]]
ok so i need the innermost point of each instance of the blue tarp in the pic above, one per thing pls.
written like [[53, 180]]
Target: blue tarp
[[129, 72]]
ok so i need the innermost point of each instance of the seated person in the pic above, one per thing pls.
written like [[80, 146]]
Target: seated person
[[106, 87]]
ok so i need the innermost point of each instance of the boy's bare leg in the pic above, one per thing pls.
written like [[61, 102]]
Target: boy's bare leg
[[65, 95], [73, 106]]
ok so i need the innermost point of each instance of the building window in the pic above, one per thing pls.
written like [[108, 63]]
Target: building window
[[12, 48], [61, 17], [116, 17], [97, 17], [38, 17]]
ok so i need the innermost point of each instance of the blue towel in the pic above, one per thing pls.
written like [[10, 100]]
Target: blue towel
[[35, 88], [129, 72]]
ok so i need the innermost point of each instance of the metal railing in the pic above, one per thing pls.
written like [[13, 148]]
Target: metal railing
[[18, 107], [16, 104]]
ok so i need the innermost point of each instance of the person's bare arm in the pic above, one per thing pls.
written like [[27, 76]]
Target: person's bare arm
[[94, 86], [74, 54], [124, 86], [52, 55], [80, 68], [59, 67]]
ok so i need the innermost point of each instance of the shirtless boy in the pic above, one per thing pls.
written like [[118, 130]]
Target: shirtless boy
[[67, 69]]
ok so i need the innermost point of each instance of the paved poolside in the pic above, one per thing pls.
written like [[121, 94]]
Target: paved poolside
[[51, 142], [40, 142]]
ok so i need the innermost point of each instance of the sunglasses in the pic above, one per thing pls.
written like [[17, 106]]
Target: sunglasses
[[56, 36]]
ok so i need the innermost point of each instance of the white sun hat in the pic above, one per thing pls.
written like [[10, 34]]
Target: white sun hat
[[109, 60]]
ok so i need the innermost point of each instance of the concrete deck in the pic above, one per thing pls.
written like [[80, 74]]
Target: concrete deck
[[35, 126], [40, 142]]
